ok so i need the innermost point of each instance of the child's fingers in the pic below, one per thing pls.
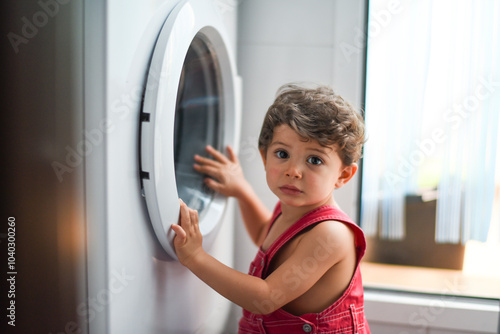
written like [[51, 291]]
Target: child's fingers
[[232, 156], [184, 216], [179, 231], [212, 184], [209, 170], [188, 219], [194, 219], [184, 213], [205, 161], [216, 154]]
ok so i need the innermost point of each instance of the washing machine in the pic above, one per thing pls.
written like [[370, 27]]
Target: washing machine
[[105, 104], [188, 104], [166, 83]]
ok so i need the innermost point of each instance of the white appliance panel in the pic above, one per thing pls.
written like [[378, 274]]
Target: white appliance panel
[[148, 292], [191, 43]]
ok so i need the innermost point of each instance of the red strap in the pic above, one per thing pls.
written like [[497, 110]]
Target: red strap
[[315, 216]]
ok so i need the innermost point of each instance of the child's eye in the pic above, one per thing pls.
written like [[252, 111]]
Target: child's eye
[[314, 161], [281, 154]]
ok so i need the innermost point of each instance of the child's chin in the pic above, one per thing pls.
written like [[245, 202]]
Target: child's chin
[[294, 202]]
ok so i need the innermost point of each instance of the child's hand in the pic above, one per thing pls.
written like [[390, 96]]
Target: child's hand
[[227, 175], [188, 238]]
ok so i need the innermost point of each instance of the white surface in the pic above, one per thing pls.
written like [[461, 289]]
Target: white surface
[[157, 141], [133, 287], [415, 313], [287, 22]]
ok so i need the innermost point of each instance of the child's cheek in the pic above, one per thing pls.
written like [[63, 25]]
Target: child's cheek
[[321, 184], [272, 175], [273, 172]]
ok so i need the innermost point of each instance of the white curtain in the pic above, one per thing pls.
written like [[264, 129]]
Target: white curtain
[[432, 114]]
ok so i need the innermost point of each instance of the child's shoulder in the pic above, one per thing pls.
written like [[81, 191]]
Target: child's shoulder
[[335, 235]]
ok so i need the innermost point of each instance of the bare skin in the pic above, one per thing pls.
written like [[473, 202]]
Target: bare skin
[[309, 272]]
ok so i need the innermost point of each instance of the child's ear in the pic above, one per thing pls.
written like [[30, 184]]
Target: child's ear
[[347, 173], [263, 156]]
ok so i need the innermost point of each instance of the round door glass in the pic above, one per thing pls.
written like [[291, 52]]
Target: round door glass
[[197, 119]]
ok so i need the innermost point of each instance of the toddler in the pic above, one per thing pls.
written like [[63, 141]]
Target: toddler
[[305, 277]]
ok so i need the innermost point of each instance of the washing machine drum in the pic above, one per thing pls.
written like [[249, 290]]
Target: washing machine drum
[[189, 103]]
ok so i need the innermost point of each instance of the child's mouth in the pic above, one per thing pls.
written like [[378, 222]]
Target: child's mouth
[[290, 190]]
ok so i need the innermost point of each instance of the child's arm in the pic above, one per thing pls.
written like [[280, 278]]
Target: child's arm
[[321, 248], [227, 178]]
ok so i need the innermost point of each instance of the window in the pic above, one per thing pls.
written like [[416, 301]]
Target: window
[[430, 194], [197, 119]]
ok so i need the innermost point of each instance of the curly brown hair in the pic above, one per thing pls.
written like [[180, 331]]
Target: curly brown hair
[[316, 113]]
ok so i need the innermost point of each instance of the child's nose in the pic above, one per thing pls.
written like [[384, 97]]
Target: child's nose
[[293, 171]]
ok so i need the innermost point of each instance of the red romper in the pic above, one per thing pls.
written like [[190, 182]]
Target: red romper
[[344, 316]]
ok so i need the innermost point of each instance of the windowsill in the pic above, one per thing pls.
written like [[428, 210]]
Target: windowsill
[[429, 280]]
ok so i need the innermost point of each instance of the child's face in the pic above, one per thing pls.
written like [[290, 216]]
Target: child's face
[[303, 173]]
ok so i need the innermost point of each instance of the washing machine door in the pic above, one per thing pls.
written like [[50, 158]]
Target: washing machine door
[[189, 103]]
